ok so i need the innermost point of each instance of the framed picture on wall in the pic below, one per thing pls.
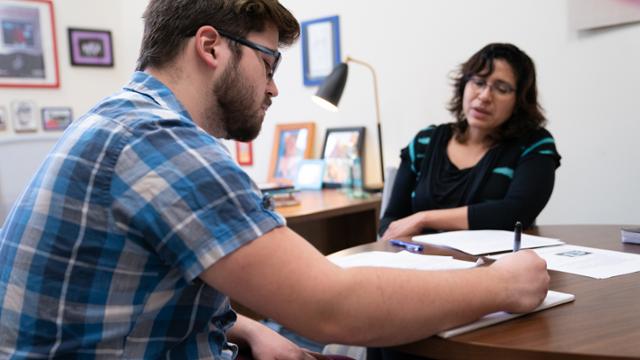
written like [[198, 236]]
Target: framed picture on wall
[[341, 146], [320, 48], [90, 47], [24, 116], [3, 118], [28, 53], [244, 153], [56, 118], [291, 144]]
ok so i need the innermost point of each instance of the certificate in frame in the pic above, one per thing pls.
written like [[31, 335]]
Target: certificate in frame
[[320, 48], [28, 53]]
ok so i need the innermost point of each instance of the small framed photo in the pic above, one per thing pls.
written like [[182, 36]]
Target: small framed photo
[[244, 153], [56, 118], [291, 144], [28, 52], [320, 48], [89, 47], [3, 118], [310, 173], [24, 116], [341, 146]]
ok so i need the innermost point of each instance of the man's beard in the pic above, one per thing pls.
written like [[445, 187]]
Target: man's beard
[[237, 112]]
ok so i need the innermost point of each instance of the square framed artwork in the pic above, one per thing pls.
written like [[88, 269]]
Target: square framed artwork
[[341, 146], [56, 118], [244, 153], [28, 52], [90, 47], [320, 48], [4, 118], [24, 116], [291, 144]]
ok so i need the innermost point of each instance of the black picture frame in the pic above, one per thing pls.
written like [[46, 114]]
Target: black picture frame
[[90, 47], [339, 149]]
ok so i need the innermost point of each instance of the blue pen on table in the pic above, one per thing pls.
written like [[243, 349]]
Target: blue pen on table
[[407, 245], [517, 234]]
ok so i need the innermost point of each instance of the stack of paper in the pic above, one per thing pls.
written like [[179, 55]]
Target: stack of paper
[[631, 235], [479, 242], [401, 260]]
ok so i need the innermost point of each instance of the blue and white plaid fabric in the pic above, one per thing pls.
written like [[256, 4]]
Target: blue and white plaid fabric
[[100, 256]]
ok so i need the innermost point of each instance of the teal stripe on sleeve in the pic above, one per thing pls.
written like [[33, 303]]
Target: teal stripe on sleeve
[[547, 140], [506, 171], [424, 140], [412, 156]]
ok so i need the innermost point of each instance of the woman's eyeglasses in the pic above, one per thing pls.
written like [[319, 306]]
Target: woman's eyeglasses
[[498, 87]]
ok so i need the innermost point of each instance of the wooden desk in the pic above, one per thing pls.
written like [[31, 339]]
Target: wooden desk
[[602, 323], [332, 221]]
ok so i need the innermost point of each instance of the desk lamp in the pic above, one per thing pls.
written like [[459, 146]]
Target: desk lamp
[[330, 92]]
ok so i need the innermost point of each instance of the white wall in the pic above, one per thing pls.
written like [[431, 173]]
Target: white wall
[[589, 84]]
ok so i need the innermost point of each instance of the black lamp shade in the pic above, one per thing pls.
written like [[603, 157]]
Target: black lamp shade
[[333, 85]]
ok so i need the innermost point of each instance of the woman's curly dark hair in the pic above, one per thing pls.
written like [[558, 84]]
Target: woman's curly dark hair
[[527, 113]]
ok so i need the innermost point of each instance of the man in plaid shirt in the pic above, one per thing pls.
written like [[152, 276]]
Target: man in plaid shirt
[[139, 225]]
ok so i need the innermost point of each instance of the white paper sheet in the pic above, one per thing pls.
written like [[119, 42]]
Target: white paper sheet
[[478, 242], [553, 298], [587, 261], [401, 260]]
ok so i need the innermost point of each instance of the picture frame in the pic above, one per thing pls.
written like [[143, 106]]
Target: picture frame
[[291, 144], [341, 146], [310, 175], [320, 48], [244, 153], [90, 47], [4, 118], [28, 50], [56, 118], [23, 114]]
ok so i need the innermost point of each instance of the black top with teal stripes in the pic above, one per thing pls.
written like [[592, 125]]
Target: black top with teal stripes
[[512, 182]]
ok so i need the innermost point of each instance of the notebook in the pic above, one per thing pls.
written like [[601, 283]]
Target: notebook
[[553, 298]]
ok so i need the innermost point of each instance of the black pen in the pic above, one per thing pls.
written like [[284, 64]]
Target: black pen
[[407, 245], [517, 233]]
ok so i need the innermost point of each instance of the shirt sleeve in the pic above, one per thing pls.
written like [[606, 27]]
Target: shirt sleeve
[[529, 191], [182, 194]]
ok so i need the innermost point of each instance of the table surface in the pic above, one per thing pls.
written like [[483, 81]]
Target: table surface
[[602, 323]]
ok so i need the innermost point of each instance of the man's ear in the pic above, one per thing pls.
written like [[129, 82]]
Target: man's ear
[[209, 46]]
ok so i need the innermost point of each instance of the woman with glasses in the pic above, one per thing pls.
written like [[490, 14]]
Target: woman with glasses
[[494, 165]]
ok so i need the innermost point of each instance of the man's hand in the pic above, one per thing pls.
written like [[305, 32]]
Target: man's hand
[[526, 280], [265, 344]]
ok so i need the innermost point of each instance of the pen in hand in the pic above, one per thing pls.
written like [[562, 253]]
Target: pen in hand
[[407, 245], [517, 234]]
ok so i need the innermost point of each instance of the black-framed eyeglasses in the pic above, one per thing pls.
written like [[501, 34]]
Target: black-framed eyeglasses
[[499, 87], [275, 54]]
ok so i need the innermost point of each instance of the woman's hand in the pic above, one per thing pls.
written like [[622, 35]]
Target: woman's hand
[[408, 226]]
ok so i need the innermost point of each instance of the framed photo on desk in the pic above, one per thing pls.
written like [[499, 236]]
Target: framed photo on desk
[[291, 144], [341, 146]]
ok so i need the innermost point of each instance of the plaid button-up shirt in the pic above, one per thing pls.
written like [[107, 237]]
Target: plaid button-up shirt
[[100, 256]]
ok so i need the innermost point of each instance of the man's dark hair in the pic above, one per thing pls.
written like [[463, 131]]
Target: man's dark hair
[[168, 24], [527, 113]]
